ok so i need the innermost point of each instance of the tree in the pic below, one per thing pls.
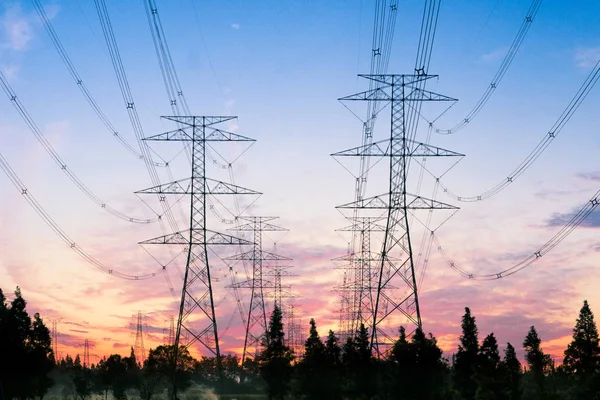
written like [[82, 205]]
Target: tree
[[512, 373], [489, 377], [418, 366], [161, 361], [358, 365], [582, 356], [275, 358], [466, 362], [331, 366], [313, 381], [26, 350], [539, 363]]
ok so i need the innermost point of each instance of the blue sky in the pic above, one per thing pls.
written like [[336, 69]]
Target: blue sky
[[280, 66]]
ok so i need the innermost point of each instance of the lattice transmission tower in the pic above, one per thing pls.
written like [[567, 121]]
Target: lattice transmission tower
[[359, 283], [280, 291], [138, 348], [54, 334], [86, 353], [295, 338], [396, 297], [256, 322], [197, 315]]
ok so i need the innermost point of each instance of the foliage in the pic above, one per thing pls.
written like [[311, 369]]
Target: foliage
[[26, 350], [582, 356], [412, 369], [467, 357], [275, 358], [539, 363]]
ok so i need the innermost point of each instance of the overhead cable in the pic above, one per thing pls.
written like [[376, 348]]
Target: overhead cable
[[59, 161], [43, 214], [543, 144], [577, 219], [506, 62]]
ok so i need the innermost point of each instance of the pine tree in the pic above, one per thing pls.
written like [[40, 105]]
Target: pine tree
[[275, 359], [311, 367], [538, 362], [582, 357], [332, 367], [512, 373], [488, 376], [332, 350], [358, 364], [466, 362]]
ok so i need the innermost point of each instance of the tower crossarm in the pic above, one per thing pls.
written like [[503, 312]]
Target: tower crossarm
[[382, 148], [184, 186]]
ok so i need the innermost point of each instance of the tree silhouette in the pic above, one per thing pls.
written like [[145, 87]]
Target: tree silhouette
[[489, 375], [311, 371], [582, 356], [359, 369], [160, 360], [467, 357], [25, 349], [275, 358], [512, 373], [538, 362]]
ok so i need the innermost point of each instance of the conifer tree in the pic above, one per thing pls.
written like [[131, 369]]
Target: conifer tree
[[275, 359], [582, 357], [538, 362], [512, 373], [489, 379], [311, 368], [466, 362]]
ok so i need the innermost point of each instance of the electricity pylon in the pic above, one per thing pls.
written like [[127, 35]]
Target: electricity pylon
[[396, 289], [197, 315], [256, 323], [54, 332], [86, 354], [359, 283], [139, 350]]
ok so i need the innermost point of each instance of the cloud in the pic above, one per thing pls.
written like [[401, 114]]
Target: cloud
[[16, 28], [494, 54], [561, 219], [235, 26], [587, 57], [79, 331], [590, 176]]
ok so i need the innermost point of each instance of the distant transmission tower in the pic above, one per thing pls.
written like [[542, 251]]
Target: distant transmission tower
[[197, 315], [139, 350], [171, 331], [295, 339], [86, 354], [55, 338], [256, 323], [359, 279], [396, 293]]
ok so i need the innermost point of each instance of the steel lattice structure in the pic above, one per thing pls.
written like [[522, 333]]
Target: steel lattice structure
[[256, 323], [139, 349], [396, 286], [197, 321], [359, 283]]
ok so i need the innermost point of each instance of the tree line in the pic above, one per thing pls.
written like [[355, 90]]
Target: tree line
[[414, 368]]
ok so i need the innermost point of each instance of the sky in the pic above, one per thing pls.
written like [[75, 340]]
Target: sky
[[280, 67]]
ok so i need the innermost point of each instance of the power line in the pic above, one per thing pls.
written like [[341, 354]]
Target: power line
[[81, 84], [20, 186], [12, 96], [543, 144], [506, 62], [565, 231]]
